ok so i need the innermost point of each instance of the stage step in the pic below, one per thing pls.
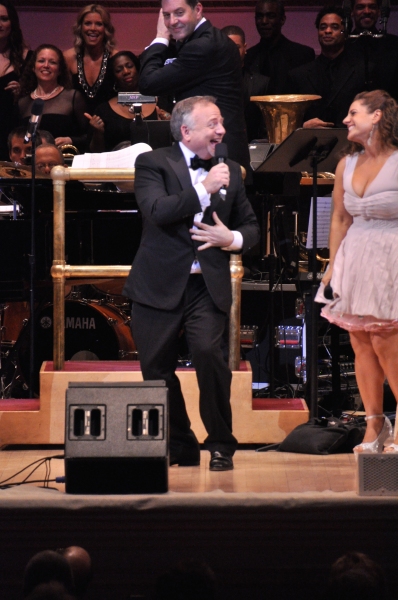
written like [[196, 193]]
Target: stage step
[[255, 421]]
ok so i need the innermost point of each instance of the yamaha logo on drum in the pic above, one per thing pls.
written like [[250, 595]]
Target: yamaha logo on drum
[[70, 322], [46, 322], [79, 323]]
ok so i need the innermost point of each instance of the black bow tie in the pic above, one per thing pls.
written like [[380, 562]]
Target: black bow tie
[[201, 163]]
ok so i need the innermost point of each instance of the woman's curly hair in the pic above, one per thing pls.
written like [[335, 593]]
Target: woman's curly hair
[[388, 124]]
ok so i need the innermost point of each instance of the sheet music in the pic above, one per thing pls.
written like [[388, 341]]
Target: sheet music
[[120, 159], [324, 209]]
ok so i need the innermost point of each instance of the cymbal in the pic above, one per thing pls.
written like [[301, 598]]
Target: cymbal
[[9, 170]]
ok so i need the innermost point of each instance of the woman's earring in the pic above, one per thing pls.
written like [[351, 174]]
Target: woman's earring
[[369, 140]]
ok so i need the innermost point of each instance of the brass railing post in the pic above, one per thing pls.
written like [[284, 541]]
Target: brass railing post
[[57, 272], [236, 268]]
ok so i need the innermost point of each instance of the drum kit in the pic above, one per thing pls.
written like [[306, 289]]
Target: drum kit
[[96, 328], [96, 313]]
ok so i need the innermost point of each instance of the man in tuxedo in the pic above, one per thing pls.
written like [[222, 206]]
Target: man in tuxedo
[[336, 75], [180, 278], [275, 55], [206, 63]]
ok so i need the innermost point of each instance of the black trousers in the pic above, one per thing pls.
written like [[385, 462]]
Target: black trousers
[[156, 333]]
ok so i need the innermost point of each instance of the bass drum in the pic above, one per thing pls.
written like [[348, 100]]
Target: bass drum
[[93, 331]]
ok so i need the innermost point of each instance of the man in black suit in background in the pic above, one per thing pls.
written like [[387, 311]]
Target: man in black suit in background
[[275, 55], [207, 63], [337, 74], [180, 276], [378, 54], [254, 84]]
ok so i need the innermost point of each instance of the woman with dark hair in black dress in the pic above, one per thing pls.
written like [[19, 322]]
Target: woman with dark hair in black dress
[[13, 55], [46, 77], [111, 123]]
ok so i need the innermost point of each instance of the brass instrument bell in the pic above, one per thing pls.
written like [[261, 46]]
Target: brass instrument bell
[[283, 113]]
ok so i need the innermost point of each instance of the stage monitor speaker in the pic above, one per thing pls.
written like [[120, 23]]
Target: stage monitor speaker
[[377, 474], [116, 438]]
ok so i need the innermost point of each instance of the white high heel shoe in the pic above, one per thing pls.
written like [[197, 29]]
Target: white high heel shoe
[[375, 447]]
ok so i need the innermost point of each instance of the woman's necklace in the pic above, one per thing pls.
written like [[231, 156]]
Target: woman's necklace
[[35, 93]]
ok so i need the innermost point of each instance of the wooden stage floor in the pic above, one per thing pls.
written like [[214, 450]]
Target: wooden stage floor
[[269, 529], [255, 472]]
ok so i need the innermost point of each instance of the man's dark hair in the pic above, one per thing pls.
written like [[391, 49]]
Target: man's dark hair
[[279, 4], [191, 580], [234, 30], [354, 2], [191, 3], [19, 132], [329, 10], [44, 567], [45, 136]]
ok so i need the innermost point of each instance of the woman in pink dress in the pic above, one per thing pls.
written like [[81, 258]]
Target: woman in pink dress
[[363, 268]]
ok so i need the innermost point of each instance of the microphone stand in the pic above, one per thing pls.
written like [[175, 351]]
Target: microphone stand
[[32, 267]]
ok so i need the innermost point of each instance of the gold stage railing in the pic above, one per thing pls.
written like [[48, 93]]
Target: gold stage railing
[[61, 271]]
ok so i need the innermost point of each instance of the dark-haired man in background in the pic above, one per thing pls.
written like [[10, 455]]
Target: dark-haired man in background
[[254, 84], [206, 63], [336, 75], [379, 55], [275, 55]]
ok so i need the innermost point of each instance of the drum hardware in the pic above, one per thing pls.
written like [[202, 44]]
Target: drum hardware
[[299, 308], [132, 355], [93, 329], [248, 336], [288, 336]]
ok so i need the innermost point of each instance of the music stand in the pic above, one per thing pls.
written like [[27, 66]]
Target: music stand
[[304, 150]]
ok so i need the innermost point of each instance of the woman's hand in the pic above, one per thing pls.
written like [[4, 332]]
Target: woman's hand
[[14, 88], [162, 114], [328, 276], [96, 122]]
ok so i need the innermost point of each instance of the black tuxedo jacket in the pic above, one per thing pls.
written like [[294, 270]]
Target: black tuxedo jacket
[[276, 62], [348, 81], [207, 63], [168, 203]]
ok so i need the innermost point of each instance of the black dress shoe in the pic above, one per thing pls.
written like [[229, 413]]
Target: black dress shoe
[[185, 456], [221, 461]]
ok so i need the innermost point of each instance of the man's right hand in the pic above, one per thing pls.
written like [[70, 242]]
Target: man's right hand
[[314, 123], [217, 177], [162, 31]]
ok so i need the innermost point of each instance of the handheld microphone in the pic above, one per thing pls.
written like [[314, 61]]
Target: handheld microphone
[[221, 155], [37, 109], [328, 292]]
